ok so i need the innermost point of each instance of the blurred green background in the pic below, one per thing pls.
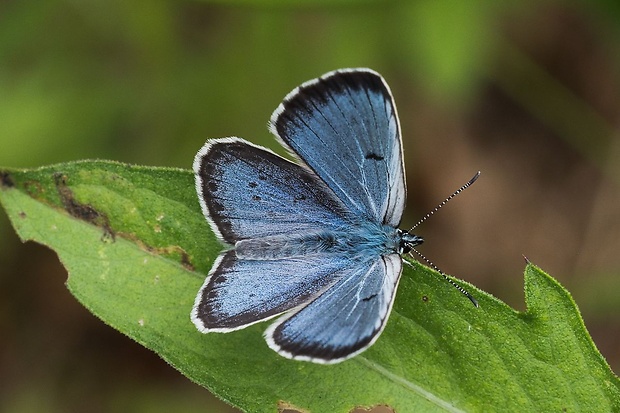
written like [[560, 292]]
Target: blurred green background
[[527, 92]]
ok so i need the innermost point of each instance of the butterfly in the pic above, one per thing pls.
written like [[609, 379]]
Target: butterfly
[[313, 242]]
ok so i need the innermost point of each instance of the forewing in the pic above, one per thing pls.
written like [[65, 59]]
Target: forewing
[[249, 192], [240, 292], [345, 319], [344, 126]]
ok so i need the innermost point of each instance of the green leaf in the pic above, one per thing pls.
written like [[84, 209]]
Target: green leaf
[[137, 249]]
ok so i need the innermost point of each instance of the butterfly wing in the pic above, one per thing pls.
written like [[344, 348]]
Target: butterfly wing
[[345, 319], [260, 202], [239, 292], [344, 126], [249, 192]]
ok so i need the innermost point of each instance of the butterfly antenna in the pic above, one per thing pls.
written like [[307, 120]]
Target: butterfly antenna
[[427, 216], [445, 201], [433, 266]]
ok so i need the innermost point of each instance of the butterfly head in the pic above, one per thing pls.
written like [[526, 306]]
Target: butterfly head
[[408, 241]]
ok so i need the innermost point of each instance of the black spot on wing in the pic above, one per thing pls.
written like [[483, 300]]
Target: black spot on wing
[[370, 297], [374, 156]]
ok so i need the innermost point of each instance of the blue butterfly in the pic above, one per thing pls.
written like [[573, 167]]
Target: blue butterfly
[[315, 242]]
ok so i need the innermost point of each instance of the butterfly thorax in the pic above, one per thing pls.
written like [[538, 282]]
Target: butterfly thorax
[[366, 239]]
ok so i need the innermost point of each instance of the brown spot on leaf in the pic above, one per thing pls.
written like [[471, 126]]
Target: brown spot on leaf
[[81, 211], [379, 408], [284, 407], [6, 180], [89, 214], [170, 251], [185, 261], [33, 188]]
